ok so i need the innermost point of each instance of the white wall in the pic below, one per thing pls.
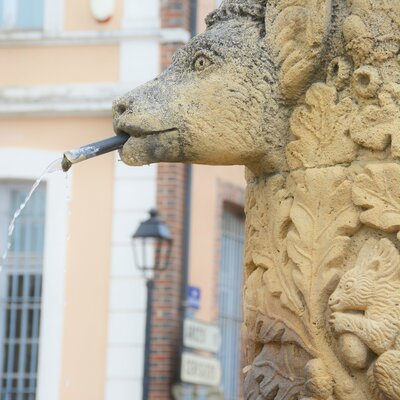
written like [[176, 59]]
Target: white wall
[[139, 57], [141, 14], [134, 195], [139, 60]]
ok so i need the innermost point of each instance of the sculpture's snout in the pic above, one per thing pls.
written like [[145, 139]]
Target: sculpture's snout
[[333, 302], [120, 106], [143, 111], [145, 114]]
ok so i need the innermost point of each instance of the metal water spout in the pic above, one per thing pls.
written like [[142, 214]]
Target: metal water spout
[[93, 150]]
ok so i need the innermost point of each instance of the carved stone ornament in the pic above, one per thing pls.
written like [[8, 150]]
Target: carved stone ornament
[[306, 95]]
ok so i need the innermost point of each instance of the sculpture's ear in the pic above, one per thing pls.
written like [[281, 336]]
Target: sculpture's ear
[[296, 32], [367, 255], [380, 257], [389, 260]]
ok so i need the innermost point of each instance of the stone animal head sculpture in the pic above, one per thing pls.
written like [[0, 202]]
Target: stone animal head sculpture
[[231, 94], [224, 100]]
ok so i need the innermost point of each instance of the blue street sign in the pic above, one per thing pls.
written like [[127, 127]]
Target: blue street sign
[[193, 297]]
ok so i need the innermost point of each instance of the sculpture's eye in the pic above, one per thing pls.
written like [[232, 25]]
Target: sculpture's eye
[[201, 62], [348, 285]]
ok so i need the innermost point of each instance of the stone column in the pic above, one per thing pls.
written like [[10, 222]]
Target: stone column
[[322, 297]]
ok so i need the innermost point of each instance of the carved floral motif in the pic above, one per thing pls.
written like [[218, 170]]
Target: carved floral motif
[[277, 369], [322, 128], [278, 347], [299, 29], [377, 191], [269, 226], [323, 218], [377, 126]]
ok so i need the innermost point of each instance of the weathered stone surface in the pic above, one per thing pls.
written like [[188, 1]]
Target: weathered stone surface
[[306, 95]]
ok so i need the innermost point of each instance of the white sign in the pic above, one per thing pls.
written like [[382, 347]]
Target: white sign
[[200, 370], [182, 391], [201, 336]]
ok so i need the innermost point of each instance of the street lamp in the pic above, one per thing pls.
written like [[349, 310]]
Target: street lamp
[[152, 244]]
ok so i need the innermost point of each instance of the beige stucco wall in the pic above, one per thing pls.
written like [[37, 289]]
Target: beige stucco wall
[[78, 17], [88, 251], [48, 65], [205, 231], [204, 8]]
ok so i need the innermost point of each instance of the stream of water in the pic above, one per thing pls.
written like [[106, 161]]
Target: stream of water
[[53, 167]]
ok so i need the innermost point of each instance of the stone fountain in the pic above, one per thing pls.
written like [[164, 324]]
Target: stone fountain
[[306, 95]]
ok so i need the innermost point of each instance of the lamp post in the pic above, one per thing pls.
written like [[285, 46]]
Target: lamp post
[[152, 244]]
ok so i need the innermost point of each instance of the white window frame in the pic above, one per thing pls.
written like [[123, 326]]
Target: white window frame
[[53, 17], [16, 272], [9, 14], [54, 261]]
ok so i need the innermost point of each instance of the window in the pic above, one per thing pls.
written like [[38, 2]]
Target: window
[[20, 291], [21, 14], [230, 298]]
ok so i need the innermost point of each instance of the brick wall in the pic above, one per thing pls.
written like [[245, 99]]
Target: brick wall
[[167, 303], [166, 315], [175, 14], [167, 50]]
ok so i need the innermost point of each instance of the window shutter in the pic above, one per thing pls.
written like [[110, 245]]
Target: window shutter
[[230, 300], [1, 13], [30, 14]]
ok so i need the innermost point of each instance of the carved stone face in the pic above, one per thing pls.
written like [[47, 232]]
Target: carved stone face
[[354, 291], [214, 105]]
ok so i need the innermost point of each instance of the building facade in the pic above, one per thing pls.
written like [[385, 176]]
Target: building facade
[[73, 305]]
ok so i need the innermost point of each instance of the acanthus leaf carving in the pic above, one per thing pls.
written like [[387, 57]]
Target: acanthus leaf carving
[[320, 235], [322, 128], [324, 220], [377, 191], [268, 380], [278, 370], [299, 29], [268, 240], [274, 328], [375, 126]]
